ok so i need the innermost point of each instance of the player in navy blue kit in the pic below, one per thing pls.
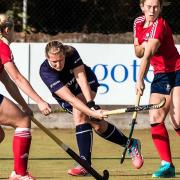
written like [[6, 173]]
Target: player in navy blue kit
[[74, 86]]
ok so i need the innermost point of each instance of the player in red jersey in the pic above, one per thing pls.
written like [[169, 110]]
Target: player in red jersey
[[10, 113], [154, 44]]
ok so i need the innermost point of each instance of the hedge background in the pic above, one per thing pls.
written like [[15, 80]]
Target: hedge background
[[82, 20]]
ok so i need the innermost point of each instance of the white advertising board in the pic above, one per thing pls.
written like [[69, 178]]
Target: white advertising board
[[116, 68], [21, 59], [115, 65]]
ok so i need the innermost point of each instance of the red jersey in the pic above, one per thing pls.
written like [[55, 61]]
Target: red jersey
[[5, 55], [167, 58]]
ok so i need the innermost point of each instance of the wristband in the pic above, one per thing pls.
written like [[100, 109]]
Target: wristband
[[92, 105]]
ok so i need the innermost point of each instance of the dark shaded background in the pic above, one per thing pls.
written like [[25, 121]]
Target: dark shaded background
[[104, 17]]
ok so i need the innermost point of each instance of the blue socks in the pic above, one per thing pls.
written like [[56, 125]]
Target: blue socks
[[84, 136], [114, 135]]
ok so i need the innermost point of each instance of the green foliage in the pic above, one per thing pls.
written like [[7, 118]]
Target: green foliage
[[14, 9], [49, 162], [87, 16]]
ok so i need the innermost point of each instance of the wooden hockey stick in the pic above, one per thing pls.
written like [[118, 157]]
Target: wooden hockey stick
[[137, 108], [132, 128], [76, 157]]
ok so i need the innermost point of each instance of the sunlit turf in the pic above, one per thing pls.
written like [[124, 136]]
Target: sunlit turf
[[49, 161]]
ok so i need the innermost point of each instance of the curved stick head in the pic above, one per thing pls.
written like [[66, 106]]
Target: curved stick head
[[105, 175], [122, 159], [162, 102]]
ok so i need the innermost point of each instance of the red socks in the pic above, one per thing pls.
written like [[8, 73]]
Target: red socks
[[161, 141], [21, 146]]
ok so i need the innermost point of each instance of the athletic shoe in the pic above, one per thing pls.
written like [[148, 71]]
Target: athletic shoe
[[134, 151], [15, 176], [166, 170], [78, 171]]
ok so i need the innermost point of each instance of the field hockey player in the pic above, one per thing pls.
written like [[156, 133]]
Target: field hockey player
[[154, 44], [10, 113], [74, 86]]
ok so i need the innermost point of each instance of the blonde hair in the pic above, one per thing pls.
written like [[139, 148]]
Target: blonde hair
[[56, 47], [5, 21], [160, 2]]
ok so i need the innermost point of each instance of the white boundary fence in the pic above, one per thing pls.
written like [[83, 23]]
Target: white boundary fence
[[114, 64]]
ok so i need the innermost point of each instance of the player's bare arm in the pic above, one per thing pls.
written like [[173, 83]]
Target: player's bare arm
[[151, 48], [25, 86], [14, 92], [66, 95], [138, 48], [81, 78]]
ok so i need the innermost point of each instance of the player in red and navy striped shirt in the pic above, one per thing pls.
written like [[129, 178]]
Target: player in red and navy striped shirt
[[154, 44]]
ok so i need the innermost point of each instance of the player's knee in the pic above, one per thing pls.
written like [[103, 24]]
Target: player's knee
[[157, 116], [27, 122], [99, 128], [24, 122], [155, 120]]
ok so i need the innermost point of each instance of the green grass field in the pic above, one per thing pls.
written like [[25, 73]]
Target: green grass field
[[49, 161]]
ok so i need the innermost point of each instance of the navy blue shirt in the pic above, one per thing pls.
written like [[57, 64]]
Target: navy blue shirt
[[57, 79]]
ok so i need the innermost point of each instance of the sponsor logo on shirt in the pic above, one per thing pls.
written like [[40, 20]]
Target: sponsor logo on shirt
[[147, 36], [53, 84], [24, 156], [168, 87], [91, 82], [71, 82], [77, 60]]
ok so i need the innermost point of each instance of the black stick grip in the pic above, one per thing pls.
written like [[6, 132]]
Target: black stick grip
[[128, 141]]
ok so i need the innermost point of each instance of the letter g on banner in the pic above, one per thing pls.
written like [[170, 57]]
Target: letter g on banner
[[113, 73], [101, 72]]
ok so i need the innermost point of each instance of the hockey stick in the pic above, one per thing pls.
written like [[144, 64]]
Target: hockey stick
[[137, 108], [132, 128], [128, 109], [83, 163]]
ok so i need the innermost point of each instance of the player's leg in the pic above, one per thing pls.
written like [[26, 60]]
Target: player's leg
[[160, 137], [84, 135], [110, 133], [12, 116], [103, 128], [2, 134], [161, 87], [174, 108]]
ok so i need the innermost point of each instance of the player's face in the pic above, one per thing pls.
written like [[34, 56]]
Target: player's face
[[56, 61], [151, 9]]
